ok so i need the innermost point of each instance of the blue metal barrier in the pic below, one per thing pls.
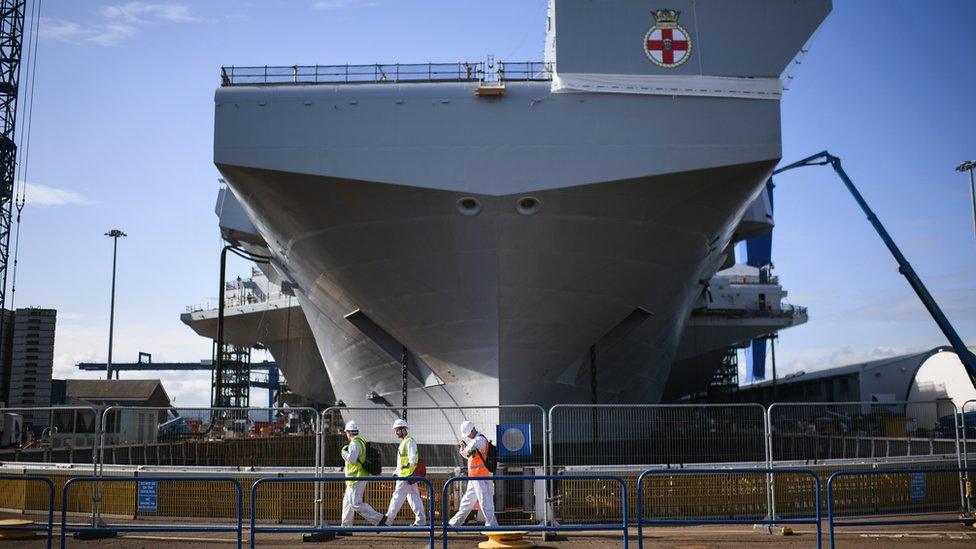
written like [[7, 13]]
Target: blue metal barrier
[[538, 527], [890, 522], [50, 506], [255, 529], [641, 521], [239, 529]]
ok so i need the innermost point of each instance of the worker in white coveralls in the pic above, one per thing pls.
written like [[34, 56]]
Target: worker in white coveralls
[[407, 459], [475, 450], [354, 455]]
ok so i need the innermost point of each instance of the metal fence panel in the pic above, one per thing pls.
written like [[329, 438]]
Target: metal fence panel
[[604, 516], [31, 501], [49, 434], [726, 496], [815, 432], [276, 487], [651, 434], [136, 497], [209, 437], [888, 493]]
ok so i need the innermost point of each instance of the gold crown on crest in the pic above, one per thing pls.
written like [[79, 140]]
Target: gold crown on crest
[[666, 19]]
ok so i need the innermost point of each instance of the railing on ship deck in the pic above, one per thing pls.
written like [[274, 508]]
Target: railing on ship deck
[[383, 73]]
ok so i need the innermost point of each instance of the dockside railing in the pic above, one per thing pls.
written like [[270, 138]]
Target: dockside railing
[[381, 73]]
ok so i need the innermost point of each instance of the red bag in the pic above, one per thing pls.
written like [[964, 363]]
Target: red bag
[[420, 471]]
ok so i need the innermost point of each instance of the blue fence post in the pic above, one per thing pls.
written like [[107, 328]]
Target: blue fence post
[[819, 513], [50, 511], [252, 533], [830, 509], [444, 510], [240, 513], [626, 521], [640, 510], [431, 495]]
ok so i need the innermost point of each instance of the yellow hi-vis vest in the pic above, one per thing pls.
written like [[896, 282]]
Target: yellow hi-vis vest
[[405, 469], [357, 469]]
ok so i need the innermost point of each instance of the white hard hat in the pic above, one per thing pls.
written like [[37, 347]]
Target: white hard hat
[[466, 427], [399, 423], [352, 426]]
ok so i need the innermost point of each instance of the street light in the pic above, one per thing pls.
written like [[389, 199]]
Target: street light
[[968, 166], [114, 234]]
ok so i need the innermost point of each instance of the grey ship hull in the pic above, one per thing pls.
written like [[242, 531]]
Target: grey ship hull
[[355, 188]]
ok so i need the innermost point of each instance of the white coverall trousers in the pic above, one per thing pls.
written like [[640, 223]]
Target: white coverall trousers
[[353, 502], [482, 491], [404, 491]]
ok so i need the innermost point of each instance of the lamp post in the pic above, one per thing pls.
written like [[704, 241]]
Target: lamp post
[[969, 166], [114, 234]]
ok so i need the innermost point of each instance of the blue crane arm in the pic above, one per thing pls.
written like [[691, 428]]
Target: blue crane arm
[[966, 356]]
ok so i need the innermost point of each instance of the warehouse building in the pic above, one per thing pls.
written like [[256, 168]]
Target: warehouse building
[[934, 375]]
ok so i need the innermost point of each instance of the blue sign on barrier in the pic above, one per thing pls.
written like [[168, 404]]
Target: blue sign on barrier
[[148, 499], [514, 439], [917, 492]]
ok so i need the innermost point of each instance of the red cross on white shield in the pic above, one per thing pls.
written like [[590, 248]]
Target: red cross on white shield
[[668, 47]]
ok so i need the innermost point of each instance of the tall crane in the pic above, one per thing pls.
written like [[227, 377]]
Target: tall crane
[[11, 40], [966, 356]]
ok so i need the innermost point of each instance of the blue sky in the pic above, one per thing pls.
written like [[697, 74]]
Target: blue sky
[[122, 138]]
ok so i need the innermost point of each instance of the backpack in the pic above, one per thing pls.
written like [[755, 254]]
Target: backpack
[[373, 462], [491, 459]]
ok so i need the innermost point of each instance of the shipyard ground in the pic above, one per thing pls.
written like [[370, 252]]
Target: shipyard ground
[[703, 537]]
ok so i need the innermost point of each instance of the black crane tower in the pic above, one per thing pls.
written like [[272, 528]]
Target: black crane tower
[[11, 39]]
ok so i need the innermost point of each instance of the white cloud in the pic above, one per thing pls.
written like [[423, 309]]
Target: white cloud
[[57, 29], [121, 22], [43, 195], [141, 13], [110, 35], [68, 31]]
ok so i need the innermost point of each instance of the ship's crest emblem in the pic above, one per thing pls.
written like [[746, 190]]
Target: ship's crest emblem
[[667, 44]]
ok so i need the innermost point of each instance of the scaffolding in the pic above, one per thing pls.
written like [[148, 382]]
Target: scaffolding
[[232, 381]]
